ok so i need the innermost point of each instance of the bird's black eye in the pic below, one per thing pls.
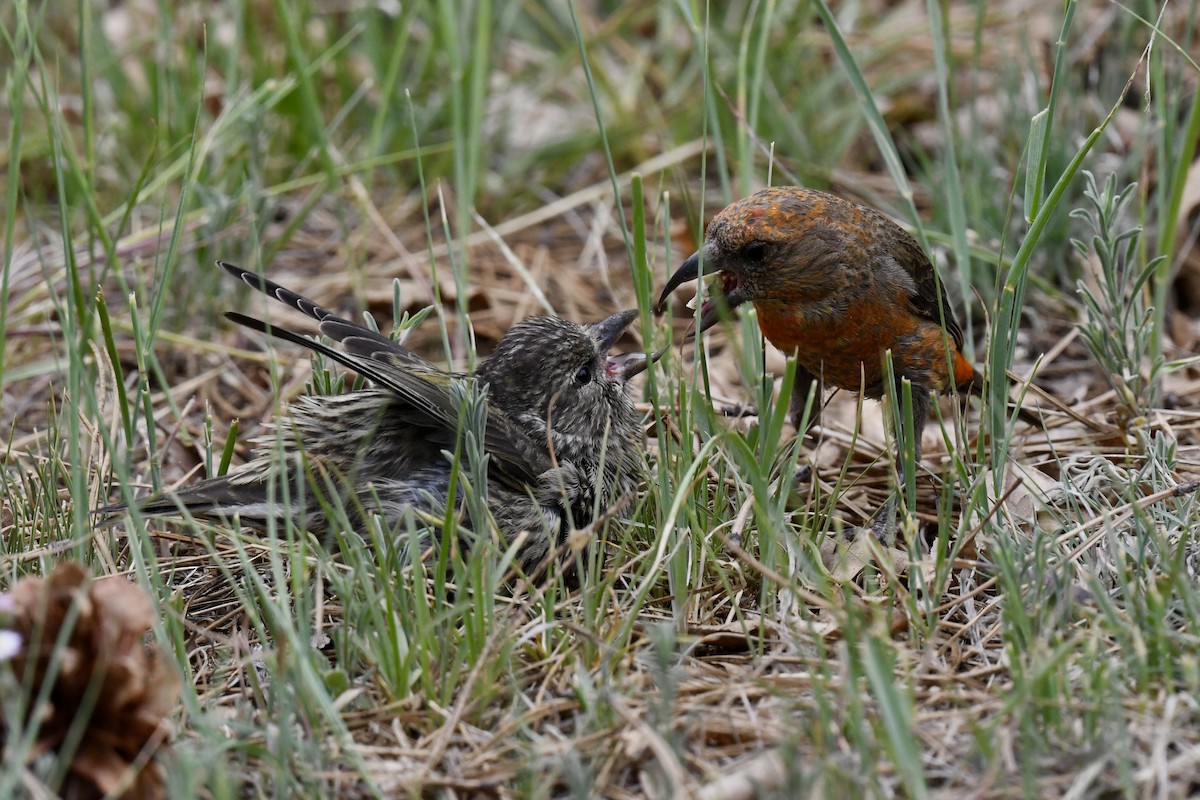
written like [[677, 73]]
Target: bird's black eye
[[584, 376], [755, 252]]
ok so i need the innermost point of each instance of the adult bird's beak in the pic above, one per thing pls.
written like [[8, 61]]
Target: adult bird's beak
[[689, 270], [606, 333], [730, 296]]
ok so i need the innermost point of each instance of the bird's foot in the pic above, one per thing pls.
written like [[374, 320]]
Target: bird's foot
[[884, 524], [738, 410], [866, 548]]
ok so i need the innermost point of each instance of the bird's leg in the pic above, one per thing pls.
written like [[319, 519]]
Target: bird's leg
[[804, 383], [884, 526], [922, 405], [801, 387]]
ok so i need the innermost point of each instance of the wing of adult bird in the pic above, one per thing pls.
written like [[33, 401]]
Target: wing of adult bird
[[930, 300], [424, 391]]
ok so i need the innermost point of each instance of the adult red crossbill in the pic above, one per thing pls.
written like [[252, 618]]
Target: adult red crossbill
[[837, 284]]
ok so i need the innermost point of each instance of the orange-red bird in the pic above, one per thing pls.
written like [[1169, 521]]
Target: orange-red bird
[[836, 283]]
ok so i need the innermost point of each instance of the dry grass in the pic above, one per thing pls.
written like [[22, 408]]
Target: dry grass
[[1036, 639]]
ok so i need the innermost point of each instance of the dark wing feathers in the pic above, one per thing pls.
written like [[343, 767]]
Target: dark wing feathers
[[214, 496], [330, 324], [421, 392], [208, 498], [930, 301], [423, 389]]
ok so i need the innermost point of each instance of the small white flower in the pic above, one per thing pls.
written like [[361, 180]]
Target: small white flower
[[10, 645]]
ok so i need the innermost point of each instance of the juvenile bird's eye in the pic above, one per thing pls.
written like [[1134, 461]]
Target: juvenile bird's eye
[[755, 252], [584, 376]]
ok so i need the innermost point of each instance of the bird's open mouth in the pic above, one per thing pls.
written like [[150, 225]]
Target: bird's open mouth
[[720, 302], [730, 284], [627, 365]]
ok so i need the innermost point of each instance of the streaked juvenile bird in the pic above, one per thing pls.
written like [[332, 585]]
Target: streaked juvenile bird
[[835, 283], [561, 433]]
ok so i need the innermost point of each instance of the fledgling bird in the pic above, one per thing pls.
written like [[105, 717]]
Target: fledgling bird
[[561, 432], [835, 283]]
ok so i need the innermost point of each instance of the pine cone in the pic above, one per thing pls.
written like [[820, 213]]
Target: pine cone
[[103, 667]]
